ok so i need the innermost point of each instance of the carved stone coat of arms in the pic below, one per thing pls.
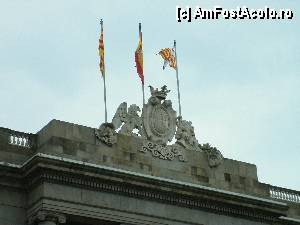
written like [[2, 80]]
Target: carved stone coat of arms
[[157, 125], [159, 118]]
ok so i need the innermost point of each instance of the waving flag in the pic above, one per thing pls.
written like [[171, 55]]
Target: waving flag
[[101, 52], [139, 57], [102, 66], [168, 55]]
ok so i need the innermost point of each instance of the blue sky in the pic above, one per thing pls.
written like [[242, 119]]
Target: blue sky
[[240, 80]]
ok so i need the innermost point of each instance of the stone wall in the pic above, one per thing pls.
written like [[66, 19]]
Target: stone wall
[[12, 206], [63, 174], [78, 142]]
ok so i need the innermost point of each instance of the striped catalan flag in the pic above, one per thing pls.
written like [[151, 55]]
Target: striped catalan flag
[[101, 52], [168, 55]]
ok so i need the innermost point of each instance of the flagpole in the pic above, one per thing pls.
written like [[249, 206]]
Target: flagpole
[[140, 33], [143, 94], [178, 92], [105, 108], [105, 98]]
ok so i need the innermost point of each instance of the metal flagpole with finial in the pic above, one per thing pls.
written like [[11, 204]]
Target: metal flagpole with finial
[[178, 91], [103, 68]]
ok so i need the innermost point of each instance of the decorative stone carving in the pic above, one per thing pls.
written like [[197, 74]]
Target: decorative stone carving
[[166, 152], [106, 134], [214, 156], [130, 120], [159, 118], [185, 135], [43, 217], [157, 124]]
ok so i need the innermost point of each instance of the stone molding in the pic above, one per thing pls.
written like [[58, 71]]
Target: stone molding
[[43, 216], [204, 201]]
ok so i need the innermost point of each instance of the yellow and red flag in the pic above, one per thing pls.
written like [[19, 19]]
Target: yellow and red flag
[[139, 57], [101, 52], [168, 55]]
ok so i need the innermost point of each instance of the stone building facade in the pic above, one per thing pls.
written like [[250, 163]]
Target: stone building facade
[[76, 175]]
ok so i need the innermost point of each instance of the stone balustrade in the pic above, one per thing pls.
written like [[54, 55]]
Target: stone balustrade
[[20, 139], [284, 194]]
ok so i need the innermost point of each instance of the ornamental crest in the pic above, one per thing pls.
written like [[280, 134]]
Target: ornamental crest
[[159, 118], [156, 125]]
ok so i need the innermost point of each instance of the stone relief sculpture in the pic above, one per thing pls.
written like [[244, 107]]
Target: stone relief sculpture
[[106, 133], [157, 125], [214, 156], [130, 120], [159, 118], [167, 152], [127, 121], [185, 135]]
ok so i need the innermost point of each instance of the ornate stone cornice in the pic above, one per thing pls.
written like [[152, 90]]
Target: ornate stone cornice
[[201, 199], [47, 216], [46, 168]]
